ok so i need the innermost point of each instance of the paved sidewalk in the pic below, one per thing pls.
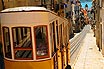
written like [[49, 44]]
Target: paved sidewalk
[[89, 57]]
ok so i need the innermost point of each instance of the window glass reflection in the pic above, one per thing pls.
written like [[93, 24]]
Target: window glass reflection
[[21, 37], [23, 54], [22, 42], [7, 45], [41, 40]]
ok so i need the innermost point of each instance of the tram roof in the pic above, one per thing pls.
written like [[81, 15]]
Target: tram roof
[[17, 9]]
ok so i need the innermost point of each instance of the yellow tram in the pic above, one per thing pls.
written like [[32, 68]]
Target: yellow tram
[[34, 38]]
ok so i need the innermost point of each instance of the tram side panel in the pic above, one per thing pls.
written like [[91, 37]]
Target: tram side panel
[[53, 20], [47, 64], [58, 42], [63, 36], [61, 42]]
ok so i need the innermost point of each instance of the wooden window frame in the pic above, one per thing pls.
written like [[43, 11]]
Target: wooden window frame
[[23, 48], [46, 56], [5, 43]]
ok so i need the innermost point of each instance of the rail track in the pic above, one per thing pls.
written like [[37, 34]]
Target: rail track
[[75, 43]]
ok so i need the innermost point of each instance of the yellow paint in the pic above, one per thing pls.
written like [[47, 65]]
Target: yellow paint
[[69, 52], [59, 60], [28, 65]]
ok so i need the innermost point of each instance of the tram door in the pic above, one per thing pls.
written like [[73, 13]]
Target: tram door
[[54, 54], [61, 45]]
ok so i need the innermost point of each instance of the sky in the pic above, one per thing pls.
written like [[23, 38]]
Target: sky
[[85, 0], [88, 3]]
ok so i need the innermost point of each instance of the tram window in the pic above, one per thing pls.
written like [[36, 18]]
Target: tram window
[[57, 32], [65, 35], [22, 42], [23, 54], [60, 31], [41, 38], [7, 45], [21, 37], [53, 37]]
